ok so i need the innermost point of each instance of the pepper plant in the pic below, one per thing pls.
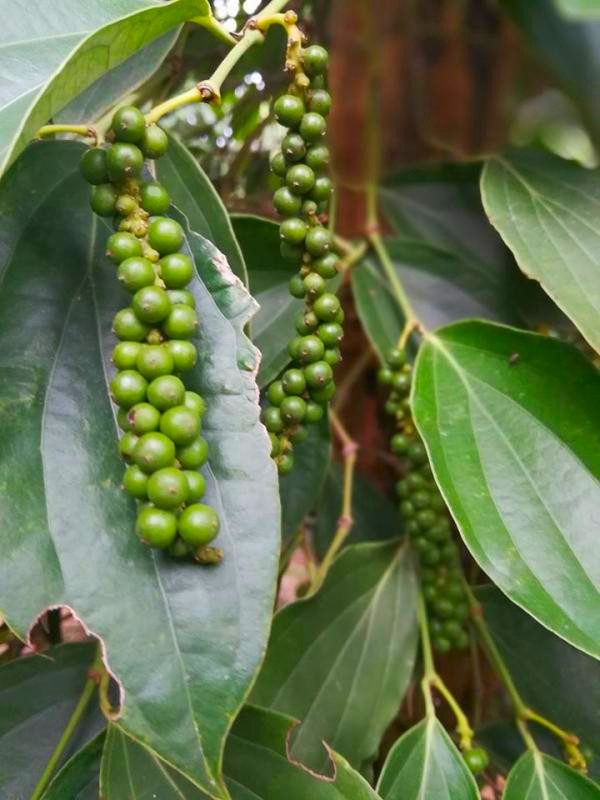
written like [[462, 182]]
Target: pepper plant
[[207, 589]]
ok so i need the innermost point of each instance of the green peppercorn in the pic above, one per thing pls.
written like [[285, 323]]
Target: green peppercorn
[[93, 166], [289, 110], [128, 124]]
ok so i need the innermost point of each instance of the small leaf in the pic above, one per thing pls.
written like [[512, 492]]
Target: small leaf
[[194, 195], [424, 763], [546, 209], [79, 779], [539, 777], [340, 661], [300, 489], [269, 276], [256, 767], [554, 678], [49, 58], [367, 526], [183, 641], [442, 287], [511, 424], [38, 694]]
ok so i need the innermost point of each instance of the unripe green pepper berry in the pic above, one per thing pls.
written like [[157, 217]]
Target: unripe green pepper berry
[[300, 179], [184, 354], [181, 322], [330, 333], [396, 358], [156, 527], [321, 191], [166, 392], [136, 273], [127, 444], [332, 356], [311, 348], [125, 354], [128, 124], [285, 463], [275, 445], [476, 759], [154, 360], [194, 455], [151, 304], [315, 60], [154, 142], [155, 198], [128, 388], [319, 101], [306, 322], [289, 110], [326, 266], [293, 230], [198, 524], [299, 435], [122, 420], [293, 147], [314, 412], [276, 393], [293, 382], [121, 246], [286, 203], [296, 287], [317, 157], [293, 410], [196, 485], [195, 403], [135, 482], [323, 396], [384, 376], [417, 454], [180, 424], [176, 270], [401, 382], [93, 166], [399, 444], [312, 127], [125, 205], [318, 374], [318, 241], [314, 285], [293, 346], [165, 235], [326, 307], [168, 488], [104, 199], [124, 160], [181, 296], [143, 418], [154, 451], [278, 164], [271, 417]]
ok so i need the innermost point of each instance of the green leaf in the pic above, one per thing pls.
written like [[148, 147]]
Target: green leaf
[[340, 661], [256, 767], [193, 193], [367, 526], [540, 777], [568, 47], [424, 763], [300, 489], [579, 8], [79, 778], [511, 424], [269, 275], [555, 679], [107, 90], [38, 694], [545, 209], [49, 58], [442, 286], [183, 641]]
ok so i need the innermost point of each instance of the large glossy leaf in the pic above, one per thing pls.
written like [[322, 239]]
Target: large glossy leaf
[[540, 777], [443, 286], [300, 489], [545, 208], [193, 193], [38, 695], [568, 47], [554, 678], [184, 642], [340, 661], [79, 779], [51, 53], [424, 763], [118, 82], [511, 424], [368, 526], [269, 275], [257, 767]]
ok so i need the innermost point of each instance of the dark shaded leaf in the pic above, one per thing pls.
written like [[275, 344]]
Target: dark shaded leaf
[[79, 779], [540, 777]]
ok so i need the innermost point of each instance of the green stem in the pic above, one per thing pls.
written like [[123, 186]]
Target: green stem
[[210, 90], [78, 130], [78, 711], [408, 312], [214, 26]]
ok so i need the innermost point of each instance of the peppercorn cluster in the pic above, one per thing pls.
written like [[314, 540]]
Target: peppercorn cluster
[[160, 419], [426, 516], [302, 393]]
